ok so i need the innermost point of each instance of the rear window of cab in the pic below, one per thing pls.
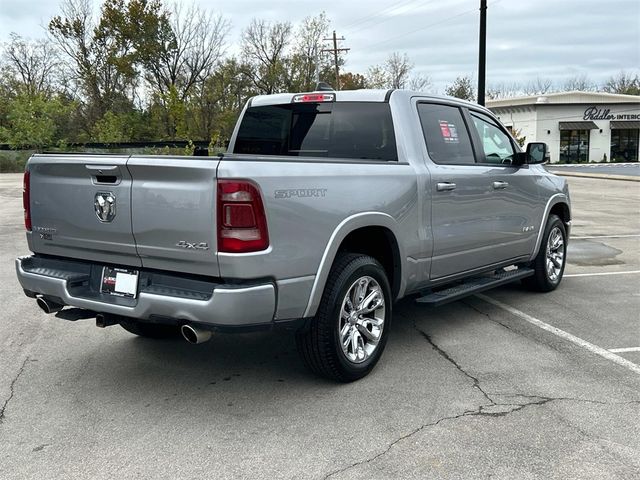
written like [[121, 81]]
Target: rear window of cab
[[347, 130]]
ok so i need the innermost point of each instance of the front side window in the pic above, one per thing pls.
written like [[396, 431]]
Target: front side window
[[445, 134], [495, 142], [351, 130]]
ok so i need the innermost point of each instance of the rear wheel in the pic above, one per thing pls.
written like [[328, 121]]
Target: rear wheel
[[150, 330], [349, 332], [551, 259]]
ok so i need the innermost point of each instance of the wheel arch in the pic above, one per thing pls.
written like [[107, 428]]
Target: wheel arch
[[382, 229], [558, 204]]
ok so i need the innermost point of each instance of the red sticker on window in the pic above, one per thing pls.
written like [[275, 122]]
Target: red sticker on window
[[444, 128], [449, 131]]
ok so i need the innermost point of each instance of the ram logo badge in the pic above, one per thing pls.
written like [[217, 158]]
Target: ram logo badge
[[193, 246], [105, 206]]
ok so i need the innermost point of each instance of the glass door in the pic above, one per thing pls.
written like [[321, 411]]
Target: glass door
[[574, 146]]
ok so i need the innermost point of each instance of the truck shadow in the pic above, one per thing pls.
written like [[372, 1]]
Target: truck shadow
[[259, 368]]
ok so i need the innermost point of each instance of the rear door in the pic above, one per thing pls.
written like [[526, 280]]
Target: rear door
[[81, 208], [173, 212]]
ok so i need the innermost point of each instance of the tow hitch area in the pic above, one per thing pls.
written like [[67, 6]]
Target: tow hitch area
[[104, 320]]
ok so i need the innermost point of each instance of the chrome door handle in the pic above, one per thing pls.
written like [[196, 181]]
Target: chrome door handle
[[500, 185], [445, 186]]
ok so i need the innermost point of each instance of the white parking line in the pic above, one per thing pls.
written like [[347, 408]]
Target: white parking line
[[624, 350], [600, 274], [590, 237], [565, 335]]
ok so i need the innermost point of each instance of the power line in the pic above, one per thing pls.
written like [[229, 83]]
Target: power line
[[387, 18], [388, 9], [424, 27]]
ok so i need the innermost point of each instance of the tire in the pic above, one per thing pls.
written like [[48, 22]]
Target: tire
[[320, 344], [551, 258], [150, 330]]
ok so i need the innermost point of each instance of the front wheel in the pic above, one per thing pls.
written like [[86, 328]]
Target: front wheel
[[349, 332], [551, 259]]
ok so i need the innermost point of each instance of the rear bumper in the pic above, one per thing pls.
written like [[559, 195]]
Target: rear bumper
[[165, 296]]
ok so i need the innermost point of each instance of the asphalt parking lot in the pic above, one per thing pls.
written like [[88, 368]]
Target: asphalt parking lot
[[476, 389]]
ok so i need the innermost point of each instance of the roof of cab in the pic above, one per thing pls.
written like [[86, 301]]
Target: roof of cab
[[363, 95]]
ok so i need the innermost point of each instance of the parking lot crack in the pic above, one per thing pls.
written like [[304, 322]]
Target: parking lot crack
[[492, 410], [485, 314], [396, 441], [12, 389], [447, 357]]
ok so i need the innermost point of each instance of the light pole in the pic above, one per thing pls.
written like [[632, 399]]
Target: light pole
[[482, 53]]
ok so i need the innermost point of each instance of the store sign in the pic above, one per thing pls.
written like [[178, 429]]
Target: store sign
[[595, 113]]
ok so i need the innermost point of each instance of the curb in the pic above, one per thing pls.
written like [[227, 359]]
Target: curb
[[627, 178]]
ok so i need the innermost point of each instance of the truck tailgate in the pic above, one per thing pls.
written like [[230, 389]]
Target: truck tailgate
[[173, 212], [68, 195]]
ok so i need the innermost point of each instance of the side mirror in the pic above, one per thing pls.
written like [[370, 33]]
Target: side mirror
[[537, 152]]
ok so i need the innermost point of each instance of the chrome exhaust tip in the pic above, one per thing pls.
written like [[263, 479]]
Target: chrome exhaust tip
[[195, 335], [48, 306]]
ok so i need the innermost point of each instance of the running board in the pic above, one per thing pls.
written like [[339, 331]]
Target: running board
[[474, 285]]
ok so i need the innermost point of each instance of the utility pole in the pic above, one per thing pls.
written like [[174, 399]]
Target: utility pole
[[335, 51], [482, 53]]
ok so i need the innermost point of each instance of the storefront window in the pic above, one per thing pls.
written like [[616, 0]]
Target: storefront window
[[624, 145], [574, 146]]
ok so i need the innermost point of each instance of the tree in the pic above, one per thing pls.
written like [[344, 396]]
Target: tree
[[503, 90], [30, 65], [33, 121], [395, 72], [352, 81], [214, 109], [178, 58], [420, 83], [580, 83], [622, 82], [104, 54], [376, 77], [398, 68], [462, 87], [306, 60], [188, 47], [538, 86], [264, 46]]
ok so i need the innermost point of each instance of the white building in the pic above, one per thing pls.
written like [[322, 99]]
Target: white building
[[577, 126]]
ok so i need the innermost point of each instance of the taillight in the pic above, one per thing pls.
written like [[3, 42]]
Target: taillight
[[242, 222], [26, 199]]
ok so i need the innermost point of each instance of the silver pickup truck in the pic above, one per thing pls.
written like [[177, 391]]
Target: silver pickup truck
[[327, 209]]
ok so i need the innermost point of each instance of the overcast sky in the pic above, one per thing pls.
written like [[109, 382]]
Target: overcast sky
[[553, 39]]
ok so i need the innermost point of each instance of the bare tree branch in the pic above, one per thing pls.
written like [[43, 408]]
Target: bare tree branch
[[538, 86], [264, 45], [31, 64]]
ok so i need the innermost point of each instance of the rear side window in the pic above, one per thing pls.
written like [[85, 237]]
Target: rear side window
[[354, 130], [445, 134]]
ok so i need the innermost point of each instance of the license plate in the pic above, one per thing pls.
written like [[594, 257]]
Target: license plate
[[120, 282]]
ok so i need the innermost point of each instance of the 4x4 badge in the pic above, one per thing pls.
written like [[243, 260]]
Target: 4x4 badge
[[193, 246], [105, 206]]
